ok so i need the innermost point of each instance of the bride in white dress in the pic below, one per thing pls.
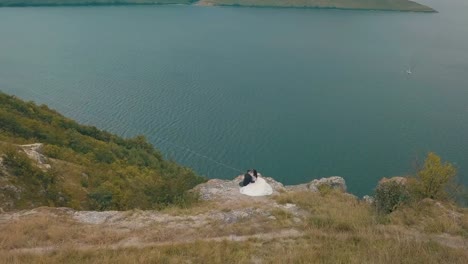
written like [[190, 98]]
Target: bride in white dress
[[259, 188]]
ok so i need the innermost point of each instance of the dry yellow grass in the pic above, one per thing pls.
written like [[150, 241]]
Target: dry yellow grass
[[333, 210], [433, 217], [49, 230], [333, 228], [319, 250]]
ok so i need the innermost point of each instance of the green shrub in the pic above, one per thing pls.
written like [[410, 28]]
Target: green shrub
[[187, 200], [40, 186], [389, 195], [101, 199], [434, 178], [18, 162]]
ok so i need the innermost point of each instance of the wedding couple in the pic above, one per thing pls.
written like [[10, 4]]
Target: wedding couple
[[254, 185]]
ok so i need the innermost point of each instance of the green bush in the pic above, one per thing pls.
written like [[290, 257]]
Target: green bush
[[434, 178], [18, 162], [101, 199], [389, 195], [40, 186]]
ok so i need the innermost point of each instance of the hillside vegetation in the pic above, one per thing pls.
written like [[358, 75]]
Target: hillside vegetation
[[89, 2], [84, 167], [391, 5], [395, 5]]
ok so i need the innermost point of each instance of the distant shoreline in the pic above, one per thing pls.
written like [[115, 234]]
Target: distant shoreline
[[329, 8], [88, 4], [222, 3]]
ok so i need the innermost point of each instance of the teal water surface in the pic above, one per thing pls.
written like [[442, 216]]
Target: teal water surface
[[296, 93]]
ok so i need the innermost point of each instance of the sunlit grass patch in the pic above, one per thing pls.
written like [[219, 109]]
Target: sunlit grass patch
[[334, 210], [45, 230], [432, 217]]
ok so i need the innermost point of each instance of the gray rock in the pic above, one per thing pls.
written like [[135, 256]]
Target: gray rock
[[289, 206], [217, 189], [94, 217], [34, 152], [397, 179], [312, 188], [335, 182], [277, 186], [302, 187], [368, 199]]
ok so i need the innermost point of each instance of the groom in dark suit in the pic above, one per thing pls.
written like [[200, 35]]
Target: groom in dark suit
[[247, 179]]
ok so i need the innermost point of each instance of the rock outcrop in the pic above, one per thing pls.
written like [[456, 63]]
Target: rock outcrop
[[34, 152], [217, 189], [368, 199], [397, 179], [335, 182]]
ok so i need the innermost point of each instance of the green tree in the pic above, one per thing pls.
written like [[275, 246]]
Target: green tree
[[434, 177]]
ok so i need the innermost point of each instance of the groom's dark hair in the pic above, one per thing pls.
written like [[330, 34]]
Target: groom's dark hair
[[247, 179]]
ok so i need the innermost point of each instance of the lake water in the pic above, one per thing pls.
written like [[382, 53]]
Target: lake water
[[296, 93]]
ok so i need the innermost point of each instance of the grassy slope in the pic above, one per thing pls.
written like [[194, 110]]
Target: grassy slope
[[91, 169], [400, 5], [333, 228]]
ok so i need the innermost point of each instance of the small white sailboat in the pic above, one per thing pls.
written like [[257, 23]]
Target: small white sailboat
[[409, 71]]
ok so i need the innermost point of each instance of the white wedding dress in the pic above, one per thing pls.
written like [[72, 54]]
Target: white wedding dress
[[259, 188]]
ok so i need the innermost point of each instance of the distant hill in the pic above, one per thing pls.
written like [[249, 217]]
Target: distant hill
[[391, 5], [81, 166], [89, 2]]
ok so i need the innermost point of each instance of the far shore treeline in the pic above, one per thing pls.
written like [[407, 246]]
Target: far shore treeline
[[24, 3], [90, 168], [388, 5]]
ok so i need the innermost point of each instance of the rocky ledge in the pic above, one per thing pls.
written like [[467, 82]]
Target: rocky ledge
[[220, 190]]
